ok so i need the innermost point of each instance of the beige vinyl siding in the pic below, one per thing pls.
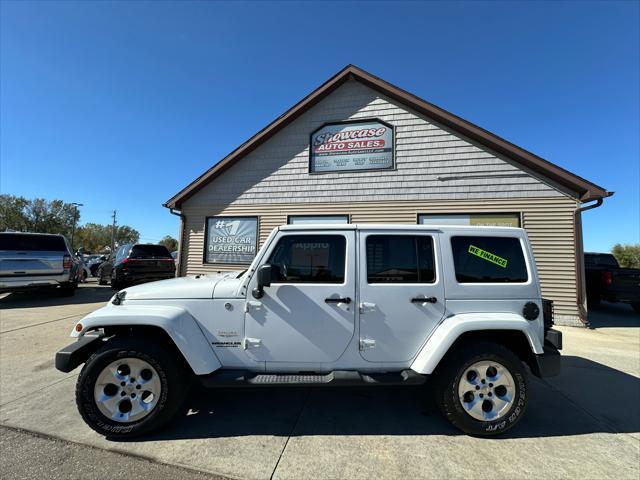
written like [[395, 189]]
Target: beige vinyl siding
[[432, 163], [548, 221]]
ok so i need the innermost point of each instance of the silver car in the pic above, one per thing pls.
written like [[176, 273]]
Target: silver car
[[37, 260]]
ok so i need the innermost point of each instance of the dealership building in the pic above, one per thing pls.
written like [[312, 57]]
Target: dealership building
[[361, 150]]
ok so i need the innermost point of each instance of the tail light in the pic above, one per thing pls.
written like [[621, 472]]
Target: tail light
[[125, 260], [66, 262], [607, 278]]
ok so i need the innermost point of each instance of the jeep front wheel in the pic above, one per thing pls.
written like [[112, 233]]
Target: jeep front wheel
[[484, 392], [129, 388]]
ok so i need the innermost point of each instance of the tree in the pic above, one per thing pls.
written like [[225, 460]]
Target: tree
[[13, 213], [628, 256], [44, 216], [126, 234], [37, 215], [169, 242], [96, 238]]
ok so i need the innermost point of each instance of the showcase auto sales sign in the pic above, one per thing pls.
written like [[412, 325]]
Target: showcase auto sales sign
[[362, 145]]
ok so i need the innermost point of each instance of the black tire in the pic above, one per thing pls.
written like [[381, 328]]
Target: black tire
[[635, 306], [593, 302], [102, 282], [448, 378], [116, 284], [173, 377], [68, 290]]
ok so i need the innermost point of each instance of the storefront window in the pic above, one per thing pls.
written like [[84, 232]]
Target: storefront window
[[478, 219], [315, 219]]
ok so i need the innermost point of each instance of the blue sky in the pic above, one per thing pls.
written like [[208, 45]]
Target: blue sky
[[118, 105]]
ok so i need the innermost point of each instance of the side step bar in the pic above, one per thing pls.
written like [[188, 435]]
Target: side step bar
[[245, 378]]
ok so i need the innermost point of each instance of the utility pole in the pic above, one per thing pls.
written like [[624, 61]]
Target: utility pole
[[75, 219], [113, 233]]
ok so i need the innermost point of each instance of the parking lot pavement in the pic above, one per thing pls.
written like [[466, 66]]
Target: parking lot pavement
[[33, 326], [26, 456], [584, 423]]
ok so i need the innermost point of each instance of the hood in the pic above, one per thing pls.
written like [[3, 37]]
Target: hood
[[198, 286]]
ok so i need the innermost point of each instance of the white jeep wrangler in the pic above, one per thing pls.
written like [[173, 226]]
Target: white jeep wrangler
[[329, 305]]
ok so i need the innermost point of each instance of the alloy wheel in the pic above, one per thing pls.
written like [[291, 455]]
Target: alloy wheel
[[486, 390], [127, 390]]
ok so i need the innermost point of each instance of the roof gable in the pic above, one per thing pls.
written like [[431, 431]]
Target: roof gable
[[583, 189]]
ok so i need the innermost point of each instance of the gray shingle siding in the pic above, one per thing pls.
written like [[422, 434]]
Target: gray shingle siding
[[431, 163]]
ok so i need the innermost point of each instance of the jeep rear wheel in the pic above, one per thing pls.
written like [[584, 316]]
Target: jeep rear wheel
[[482, 390], [129, 388]]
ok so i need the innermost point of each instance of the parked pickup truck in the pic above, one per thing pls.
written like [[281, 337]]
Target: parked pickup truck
[[329, 305], [37, 260], [607, 281]]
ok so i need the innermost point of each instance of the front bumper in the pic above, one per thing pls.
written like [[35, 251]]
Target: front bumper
[[78, 352], [548, 364]]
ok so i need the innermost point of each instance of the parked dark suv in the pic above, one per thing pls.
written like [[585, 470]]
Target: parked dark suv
[[138, 263]]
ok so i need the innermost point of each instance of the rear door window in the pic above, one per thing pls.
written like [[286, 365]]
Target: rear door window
[[26, 242], [488, 260], [400, 259]]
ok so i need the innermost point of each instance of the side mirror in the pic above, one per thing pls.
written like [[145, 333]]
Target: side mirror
[[265, 275]]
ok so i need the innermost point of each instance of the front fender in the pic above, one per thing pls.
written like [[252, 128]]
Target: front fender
[[450, 330], [175, 321]]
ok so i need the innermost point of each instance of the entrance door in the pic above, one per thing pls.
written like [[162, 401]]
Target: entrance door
[[307, 314], [401, 294]]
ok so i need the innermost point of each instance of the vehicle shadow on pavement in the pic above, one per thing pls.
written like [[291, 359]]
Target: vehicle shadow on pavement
[[565, 405], [48, 298], [613, 315]]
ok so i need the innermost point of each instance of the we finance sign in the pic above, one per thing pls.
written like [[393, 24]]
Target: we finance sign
[[352, 146]]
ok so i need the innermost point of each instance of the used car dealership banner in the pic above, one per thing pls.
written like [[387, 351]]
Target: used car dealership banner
[[359, 145], [231, 239]]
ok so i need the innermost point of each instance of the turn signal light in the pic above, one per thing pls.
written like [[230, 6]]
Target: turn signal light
[[78, 327]]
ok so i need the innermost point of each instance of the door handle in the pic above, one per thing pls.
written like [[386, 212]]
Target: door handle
[[346, 300], [424, 300]]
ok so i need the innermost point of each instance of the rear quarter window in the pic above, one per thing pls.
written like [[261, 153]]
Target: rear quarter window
[[33, 243], [597, 260], [480, 259]]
